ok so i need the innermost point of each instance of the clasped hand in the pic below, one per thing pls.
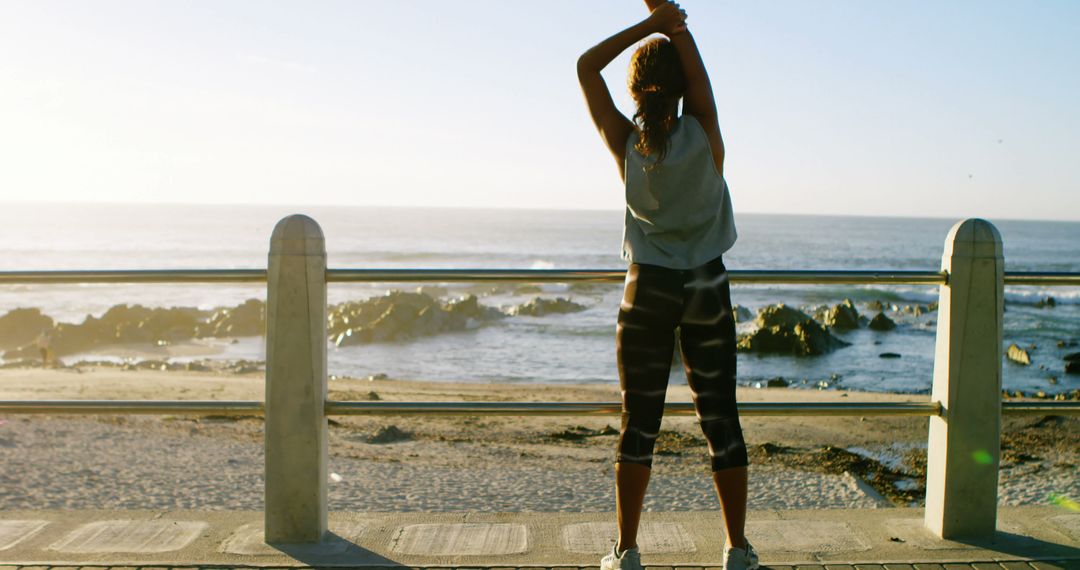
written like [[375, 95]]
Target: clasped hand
[[668, 19]]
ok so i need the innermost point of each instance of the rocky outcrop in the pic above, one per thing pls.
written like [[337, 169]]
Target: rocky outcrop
[[742, 314], [539, 307], [1072, 363], [121, 324], [399, 316], [246, 319], [881, 323], [780, 315], [22, 326], [1018, 355], [843, 316], [783, 330]]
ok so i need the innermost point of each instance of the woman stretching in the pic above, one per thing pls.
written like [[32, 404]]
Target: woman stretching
[[678, 223]]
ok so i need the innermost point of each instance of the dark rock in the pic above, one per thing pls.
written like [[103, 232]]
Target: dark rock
[[1072, 357], [1018, 355], [539, 307], [742, 314], [842, 316], [785, 330], [389, 434], [246, 319], [889, 355], [579, 433], [881, 323], [19, 327], [398, 316], [780, 315], [121, 324], [1072, 367], [1046, 302], [777, 382], [875, 306]]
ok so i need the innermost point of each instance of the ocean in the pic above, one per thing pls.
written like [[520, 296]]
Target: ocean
[[574, 347]]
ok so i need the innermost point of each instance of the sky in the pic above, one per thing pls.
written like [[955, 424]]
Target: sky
[[951, 108]]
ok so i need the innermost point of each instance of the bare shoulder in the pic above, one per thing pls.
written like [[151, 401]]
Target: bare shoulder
[[711, 129]]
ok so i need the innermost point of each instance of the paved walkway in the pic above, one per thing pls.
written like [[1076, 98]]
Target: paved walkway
[[889, 539]]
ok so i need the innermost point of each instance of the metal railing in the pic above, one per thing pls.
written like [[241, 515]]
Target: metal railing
[[349, 408], [838, 277], [965, 403]]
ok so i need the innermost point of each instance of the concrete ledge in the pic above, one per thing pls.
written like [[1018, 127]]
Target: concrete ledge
[[517, 540]]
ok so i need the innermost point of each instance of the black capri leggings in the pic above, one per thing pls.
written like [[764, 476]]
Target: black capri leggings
[[697, 301]]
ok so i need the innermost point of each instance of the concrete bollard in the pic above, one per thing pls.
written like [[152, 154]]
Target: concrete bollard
[[965, 442], [295, 430]]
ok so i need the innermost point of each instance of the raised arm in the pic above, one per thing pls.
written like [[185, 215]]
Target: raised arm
[[698, 100], [614, 127]]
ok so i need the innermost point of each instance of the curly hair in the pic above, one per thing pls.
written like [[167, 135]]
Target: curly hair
[[656, 83]]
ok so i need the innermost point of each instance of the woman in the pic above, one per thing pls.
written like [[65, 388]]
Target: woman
[[678, 224]]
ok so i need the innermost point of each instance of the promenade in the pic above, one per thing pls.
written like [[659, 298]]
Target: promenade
[[1027, 537]]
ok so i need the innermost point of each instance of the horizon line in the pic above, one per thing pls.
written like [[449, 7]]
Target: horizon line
[[492, 208]]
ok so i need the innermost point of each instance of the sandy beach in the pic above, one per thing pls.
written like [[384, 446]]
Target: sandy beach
[[473, 463]]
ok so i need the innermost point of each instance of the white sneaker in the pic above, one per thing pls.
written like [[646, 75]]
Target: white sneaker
[[740, 559], [628, 560]]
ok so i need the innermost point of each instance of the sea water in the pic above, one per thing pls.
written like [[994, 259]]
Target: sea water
[[575, 347]]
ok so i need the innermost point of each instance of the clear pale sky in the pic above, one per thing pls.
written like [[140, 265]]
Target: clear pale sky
[[861, 107]]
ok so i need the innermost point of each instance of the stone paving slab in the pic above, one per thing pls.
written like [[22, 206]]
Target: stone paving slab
[[133, 536], [248, 540], [14, 531], [912, 531], [468, 539], [798, 536], [654, 537], [1069, 524]]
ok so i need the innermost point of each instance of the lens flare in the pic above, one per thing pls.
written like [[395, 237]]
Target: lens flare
[[1064, 502], [982, 457]]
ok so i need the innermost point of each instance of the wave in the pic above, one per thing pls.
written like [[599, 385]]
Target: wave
[[1029, 295]]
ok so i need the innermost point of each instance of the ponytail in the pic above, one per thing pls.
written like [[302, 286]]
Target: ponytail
[[652, 118], [656, 82]]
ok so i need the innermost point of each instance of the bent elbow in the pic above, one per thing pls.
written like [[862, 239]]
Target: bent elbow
[[584, 66]]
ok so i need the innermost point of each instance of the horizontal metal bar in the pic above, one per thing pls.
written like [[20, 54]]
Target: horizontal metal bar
[[343, 408], [1045, 279], [134, 276], [808, 277], [612, 276], [178, 407], [1040, 408], [346, 408], [614, 408]]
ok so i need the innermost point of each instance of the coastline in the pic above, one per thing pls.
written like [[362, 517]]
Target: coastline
[[474, 463]]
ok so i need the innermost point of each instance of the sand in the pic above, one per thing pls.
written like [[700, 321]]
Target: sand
[[472, 463]]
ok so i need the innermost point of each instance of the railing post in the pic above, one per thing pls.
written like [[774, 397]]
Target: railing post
[[295, 430], [965, 441]]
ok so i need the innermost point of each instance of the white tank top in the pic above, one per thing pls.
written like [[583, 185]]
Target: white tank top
[[678, 214]]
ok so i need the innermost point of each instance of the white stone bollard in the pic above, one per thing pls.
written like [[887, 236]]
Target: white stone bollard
[[295, 430], [965, 442]]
